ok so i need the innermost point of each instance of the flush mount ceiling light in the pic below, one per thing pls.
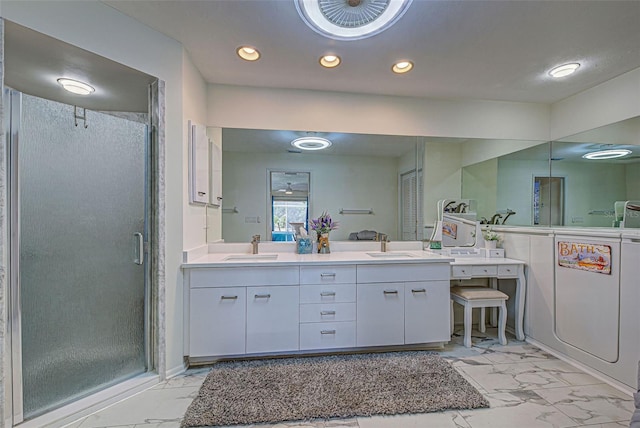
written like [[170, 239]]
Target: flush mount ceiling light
[[75, 86], [607, 154], [402, 67], [350, 19], [330, 61], [248, 53], [564, 70], [311, 143]]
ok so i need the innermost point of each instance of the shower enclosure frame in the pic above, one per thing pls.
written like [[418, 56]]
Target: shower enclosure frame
[[154, 256]]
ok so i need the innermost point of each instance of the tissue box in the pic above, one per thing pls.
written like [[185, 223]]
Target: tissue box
[[304, 245]]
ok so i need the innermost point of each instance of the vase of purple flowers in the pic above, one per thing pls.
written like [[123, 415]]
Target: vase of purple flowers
[[322, 226]]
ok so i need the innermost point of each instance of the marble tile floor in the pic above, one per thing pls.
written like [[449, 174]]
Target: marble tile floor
[[525, 386]]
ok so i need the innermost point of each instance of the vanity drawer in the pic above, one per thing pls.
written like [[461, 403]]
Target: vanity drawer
[[331, 293], [485, 270], [328, 335], [508, 271], [403, 272], [330, 312], [461, 271], [243, 276], [343, 274]]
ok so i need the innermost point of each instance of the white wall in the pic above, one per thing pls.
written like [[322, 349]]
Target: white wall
[[350, 182], [98, 28], [609, 102], [194, 99], [480, 182], [632, 177], [294, 109]]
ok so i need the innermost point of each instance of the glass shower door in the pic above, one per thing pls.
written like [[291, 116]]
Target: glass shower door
[[79, 225]]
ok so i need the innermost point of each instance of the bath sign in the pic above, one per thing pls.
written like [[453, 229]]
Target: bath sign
[[583, 256]]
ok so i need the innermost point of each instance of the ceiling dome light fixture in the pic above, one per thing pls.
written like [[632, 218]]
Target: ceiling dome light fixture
[[607, 154], [564, 70], [350, 19], [75, 86], [311, 143], [402, 67], [330, 61], [248, 53]]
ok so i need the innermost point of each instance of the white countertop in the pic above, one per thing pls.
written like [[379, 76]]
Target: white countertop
[[336, 257]]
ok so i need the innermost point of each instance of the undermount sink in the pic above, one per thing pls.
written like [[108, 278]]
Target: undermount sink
[[390, 254], [251, 257]]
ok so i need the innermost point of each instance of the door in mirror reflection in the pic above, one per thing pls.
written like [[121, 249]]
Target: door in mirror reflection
[[548, 201]]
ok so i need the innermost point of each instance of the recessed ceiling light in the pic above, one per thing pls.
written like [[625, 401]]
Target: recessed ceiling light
[[564, 70], [76, 86], [401, 67], [311, 143], [330, 61], [607, 154], [248, 53]]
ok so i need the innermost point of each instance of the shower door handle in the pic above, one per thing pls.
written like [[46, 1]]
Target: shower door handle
[[139, 257]]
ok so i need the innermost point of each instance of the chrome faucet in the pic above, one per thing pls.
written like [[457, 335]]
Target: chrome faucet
[[254, 244], [383, 238]]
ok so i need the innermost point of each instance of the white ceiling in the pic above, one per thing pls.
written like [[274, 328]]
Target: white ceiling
[[34, 61], [471, 49]]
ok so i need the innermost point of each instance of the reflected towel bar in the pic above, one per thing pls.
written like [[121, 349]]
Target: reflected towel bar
[[345, 211], [233, 210]]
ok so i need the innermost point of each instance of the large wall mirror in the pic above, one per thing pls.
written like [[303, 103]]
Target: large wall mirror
[[553, 184], [367, 183], [391, 184]]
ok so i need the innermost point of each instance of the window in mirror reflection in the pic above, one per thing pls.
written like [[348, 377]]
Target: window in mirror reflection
[[289, 192]]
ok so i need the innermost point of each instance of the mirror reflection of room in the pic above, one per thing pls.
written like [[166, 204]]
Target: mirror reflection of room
[[370, 184]]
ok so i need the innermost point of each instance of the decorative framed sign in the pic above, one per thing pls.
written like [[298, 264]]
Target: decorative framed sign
[[585, 256]]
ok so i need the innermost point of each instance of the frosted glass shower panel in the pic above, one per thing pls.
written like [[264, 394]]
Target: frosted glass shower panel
[[82, 197]]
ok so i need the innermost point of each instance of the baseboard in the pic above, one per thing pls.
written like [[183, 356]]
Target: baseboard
[[598, 375], [177, 370]]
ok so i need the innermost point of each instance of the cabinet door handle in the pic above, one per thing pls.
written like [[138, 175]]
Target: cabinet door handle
[[390, 291], [328, 332], [328, 293], [229, 298], [418, 290], [262, 296], [327, 312], [327, 275]]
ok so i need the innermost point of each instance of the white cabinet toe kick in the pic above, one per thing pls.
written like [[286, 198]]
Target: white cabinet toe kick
[[233, 312]]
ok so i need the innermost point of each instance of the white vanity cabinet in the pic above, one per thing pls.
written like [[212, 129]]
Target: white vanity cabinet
[[272, 319], [402, 304], [263, 308], [327, 307], [217, 321], [239, 310]]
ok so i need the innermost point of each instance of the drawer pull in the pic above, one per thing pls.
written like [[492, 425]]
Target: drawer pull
[[390, 291], [508, 270], [327, 275], [327, 332], [463, 271], [262, 296], [328, 293], [418, 290], [229, 298], [327, 312]]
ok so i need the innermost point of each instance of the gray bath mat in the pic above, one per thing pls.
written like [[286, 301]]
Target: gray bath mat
[[276, 390]]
